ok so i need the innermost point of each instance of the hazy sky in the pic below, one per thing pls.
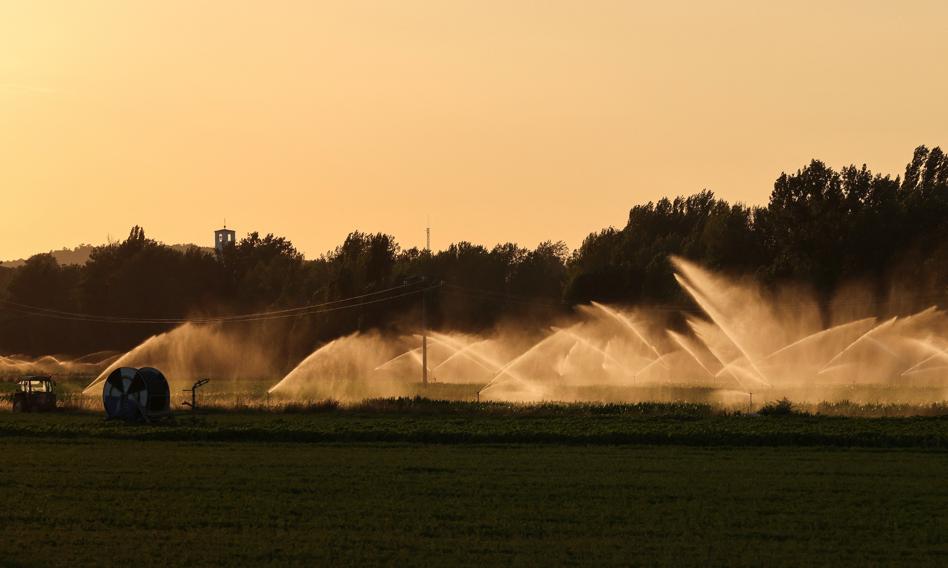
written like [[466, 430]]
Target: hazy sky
[[502, 120]]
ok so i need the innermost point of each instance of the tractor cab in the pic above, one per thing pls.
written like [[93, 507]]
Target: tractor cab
[[35, 394]]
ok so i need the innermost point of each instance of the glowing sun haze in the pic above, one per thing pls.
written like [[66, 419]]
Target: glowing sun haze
[[502, 120]]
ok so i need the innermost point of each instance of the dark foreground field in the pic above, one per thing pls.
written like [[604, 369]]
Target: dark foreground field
[[107, 502], [441, 486]]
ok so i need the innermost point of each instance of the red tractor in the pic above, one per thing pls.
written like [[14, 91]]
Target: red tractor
[[35, 394]]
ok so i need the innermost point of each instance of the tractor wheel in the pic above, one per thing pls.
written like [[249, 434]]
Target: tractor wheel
[[17, 406]]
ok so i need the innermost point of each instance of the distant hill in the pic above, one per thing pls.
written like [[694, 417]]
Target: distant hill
[[80, 254]]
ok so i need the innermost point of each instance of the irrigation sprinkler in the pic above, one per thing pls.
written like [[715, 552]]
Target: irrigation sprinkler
[[422, 281], [193, 390]]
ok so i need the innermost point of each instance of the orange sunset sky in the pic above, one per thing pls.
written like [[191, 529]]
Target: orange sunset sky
[[502, 120]]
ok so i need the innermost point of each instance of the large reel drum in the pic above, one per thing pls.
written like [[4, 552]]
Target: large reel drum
[[153, 395], [136, 394], [115, 393]]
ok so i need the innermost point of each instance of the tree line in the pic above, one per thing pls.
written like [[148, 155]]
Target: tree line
[[821, 228]]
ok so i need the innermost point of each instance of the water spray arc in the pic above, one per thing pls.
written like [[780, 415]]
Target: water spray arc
[[734, 344], [628, 324], [589, 344], [716, 356], [719, 320]]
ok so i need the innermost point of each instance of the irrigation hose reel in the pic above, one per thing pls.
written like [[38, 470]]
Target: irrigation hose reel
[[135, 395]]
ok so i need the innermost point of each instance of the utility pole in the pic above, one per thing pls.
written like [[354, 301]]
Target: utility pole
[[424, 313], [424, 335]]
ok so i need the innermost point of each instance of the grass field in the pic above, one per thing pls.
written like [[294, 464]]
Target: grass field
[[126, 502], [423, 421], [420, 482]]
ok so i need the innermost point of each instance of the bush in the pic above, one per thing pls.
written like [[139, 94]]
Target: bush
[[782, 407]]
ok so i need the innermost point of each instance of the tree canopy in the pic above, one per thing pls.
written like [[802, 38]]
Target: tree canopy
[[821, 227]]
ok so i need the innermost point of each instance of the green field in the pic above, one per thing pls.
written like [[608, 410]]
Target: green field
[[420, 482], [111, 502], [424, 421]]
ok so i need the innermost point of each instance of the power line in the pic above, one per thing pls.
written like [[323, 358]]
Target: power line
[[311, 309], [25, 310], [219, 318]]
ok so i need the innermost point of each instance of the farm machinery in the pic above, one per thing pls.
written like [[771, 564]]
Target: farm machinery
[[35, 394]]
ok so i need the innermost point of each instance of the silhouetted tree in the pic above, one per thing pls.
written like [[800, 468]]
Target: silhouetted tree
[[820, 227]]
